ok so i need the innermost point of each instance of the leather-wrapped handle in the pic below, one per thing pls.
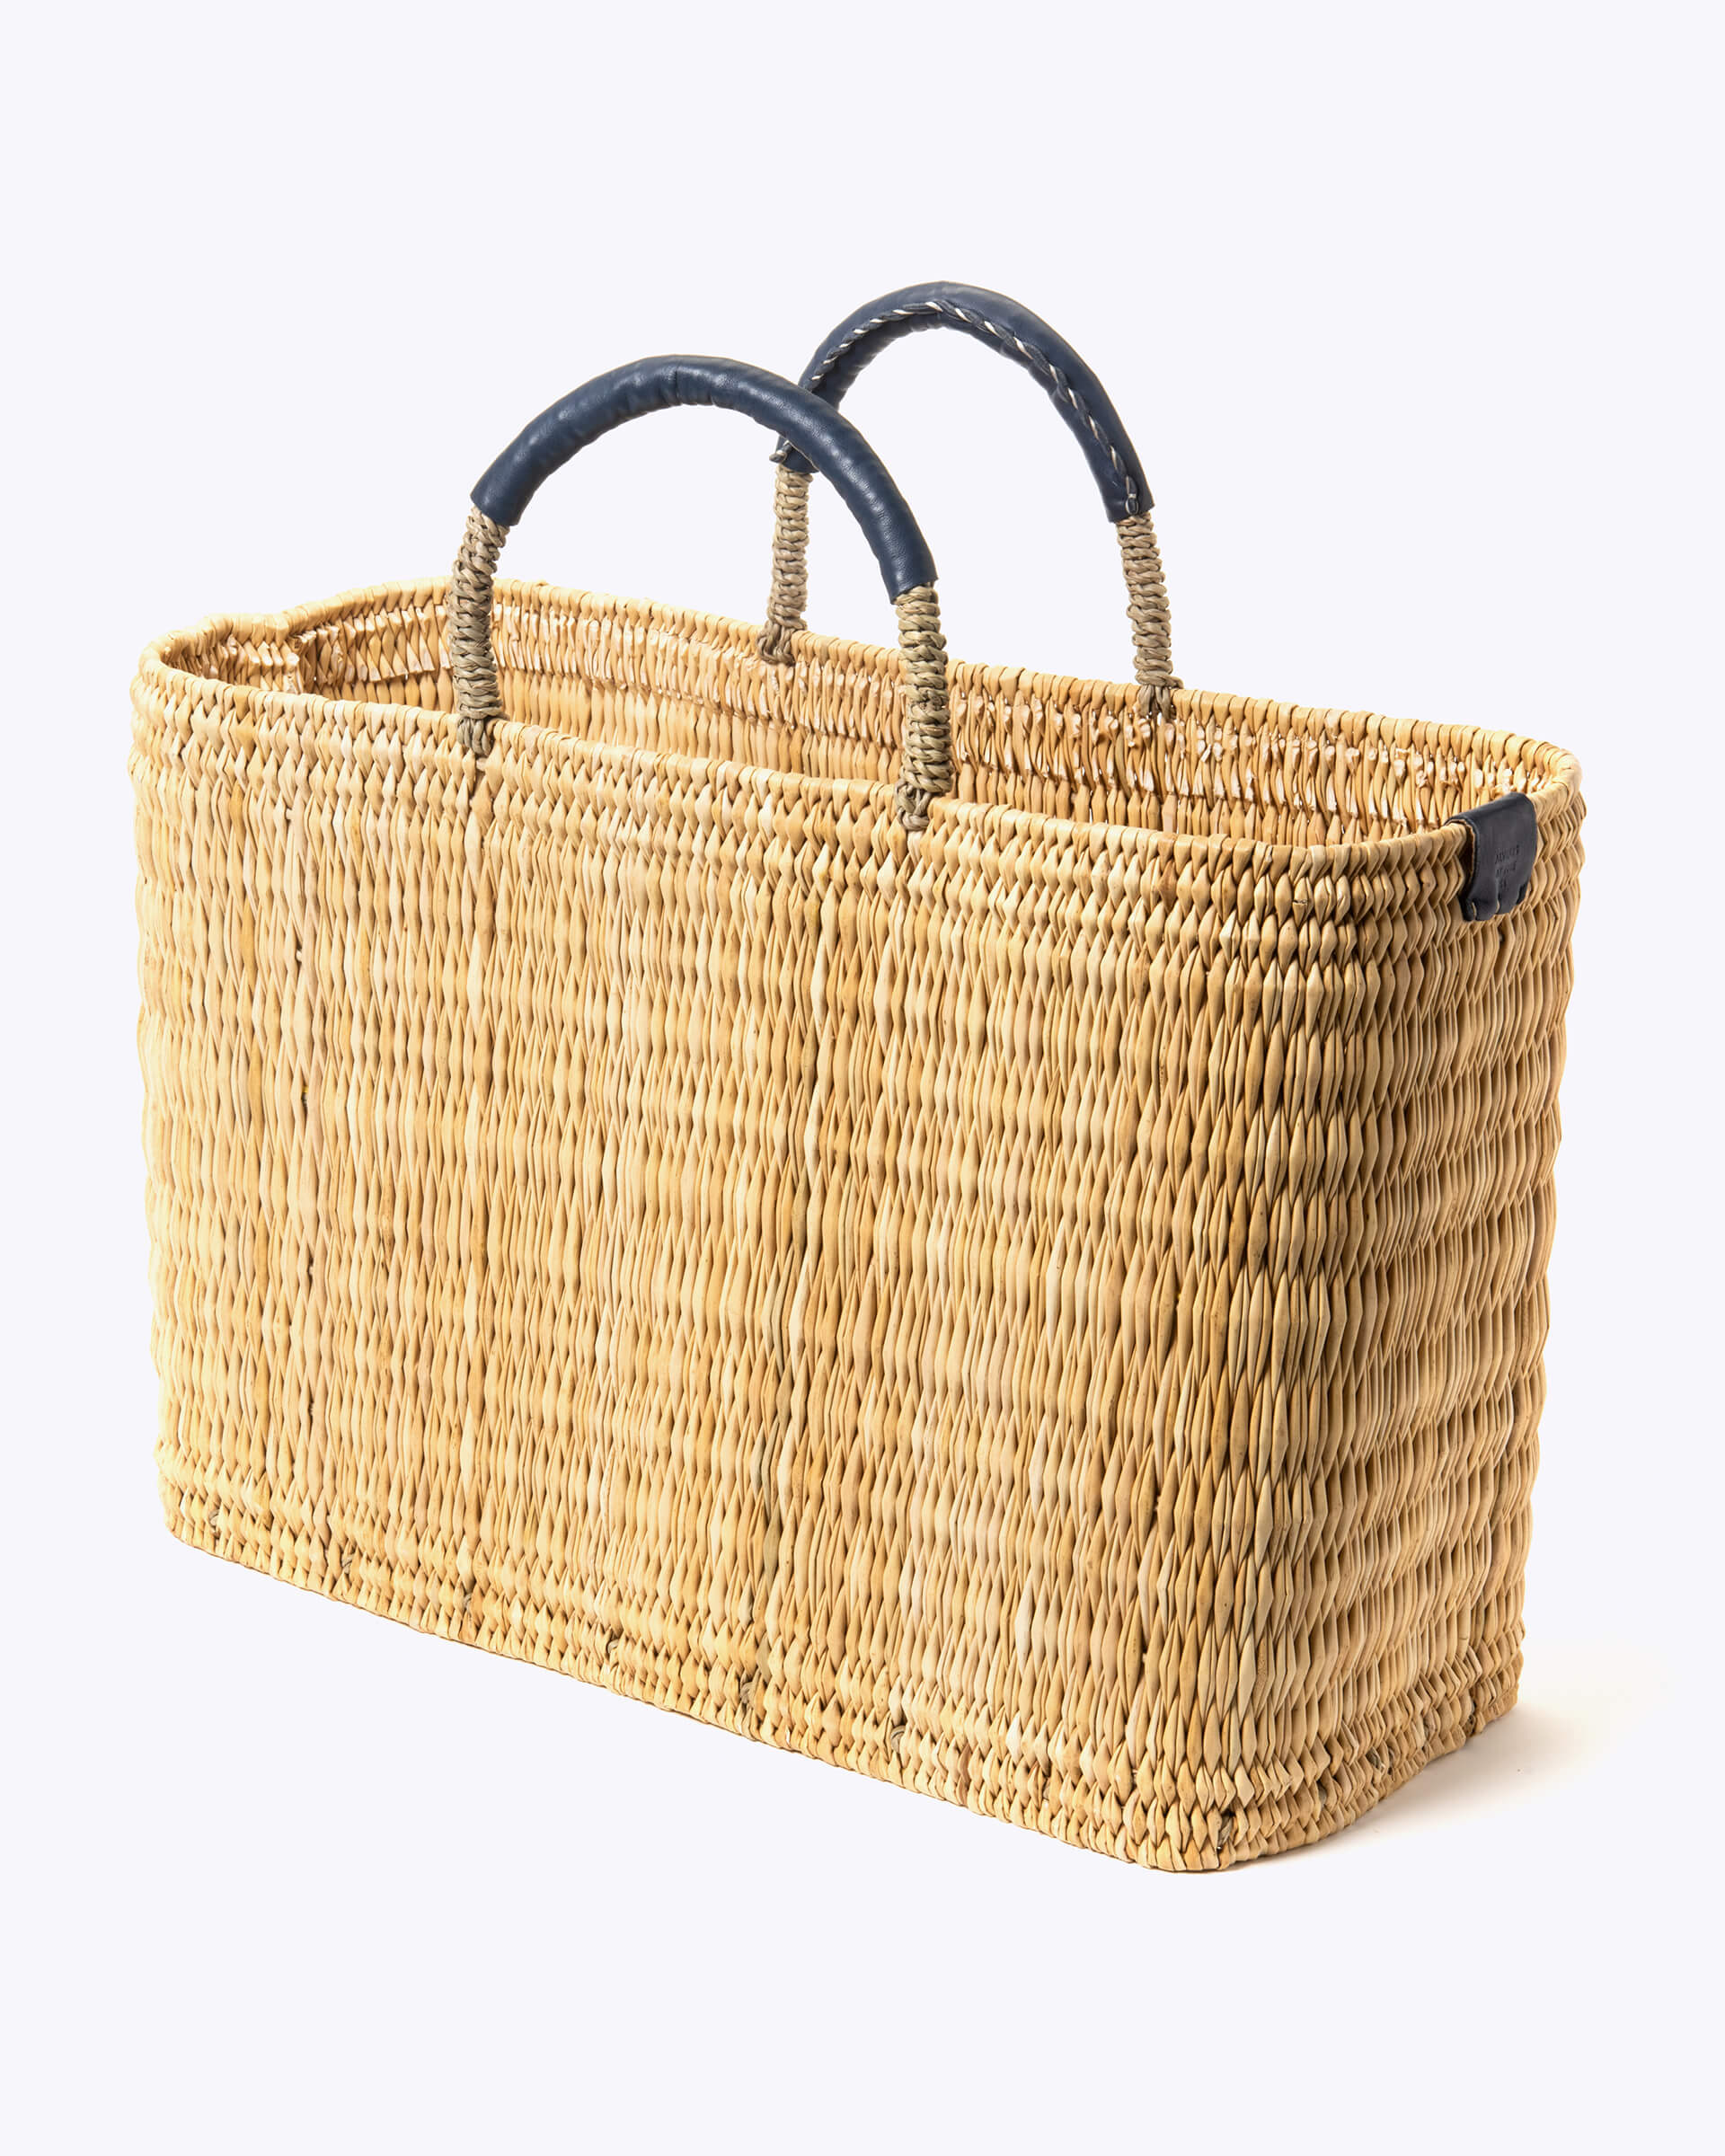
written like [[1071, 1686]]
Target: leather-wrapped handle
[[820, 433], [1017, 334], [1080, 399]]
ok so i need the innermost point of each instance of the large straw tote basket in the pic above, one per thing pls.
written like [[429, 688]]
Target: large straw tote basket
[[986, 1228]]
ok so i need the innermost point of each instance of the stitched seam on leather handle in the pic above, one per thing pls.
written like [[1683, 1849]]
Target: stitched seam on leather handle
[[1001, 337]]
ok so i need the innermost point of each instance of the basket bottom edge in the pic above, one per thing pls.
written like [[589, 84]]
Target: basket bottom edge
[[983, 1779]]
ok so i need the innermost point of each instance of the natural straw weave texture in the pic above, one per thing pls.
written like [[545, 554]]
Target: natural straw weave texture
[[1048, 1311]]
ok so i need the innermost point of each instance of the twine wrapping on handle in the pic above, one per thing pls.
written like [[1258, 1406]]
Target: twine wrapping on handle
[[926, 763], [1147, 607], [472, 658], [833, 447], [788, 599]]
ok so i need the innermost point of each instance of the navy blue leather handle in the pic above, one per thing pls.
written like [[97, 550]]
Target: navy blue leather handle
[[815, 430], [1008, 329]]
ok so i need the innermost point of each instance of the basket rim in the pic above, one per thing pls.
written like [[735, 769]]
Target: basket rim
[[1548, 774]]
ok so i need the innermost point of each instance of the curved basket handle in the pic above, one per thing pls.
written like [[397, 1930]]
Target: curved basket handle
[[817, 432], [1014, 332], [1080, 399]]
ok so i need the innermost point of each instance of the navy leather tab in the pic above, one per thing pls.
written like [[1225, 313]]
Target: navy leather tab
[[994, 320], [1505, 835], [831, 445]]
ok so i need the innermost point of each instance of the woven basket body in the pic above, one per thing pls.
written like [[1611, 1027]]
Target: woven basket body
[[1049, 1312]]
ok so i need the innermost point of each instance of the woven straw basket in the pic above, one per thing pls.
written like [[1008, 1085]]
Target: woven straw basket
[[1028, 1282]]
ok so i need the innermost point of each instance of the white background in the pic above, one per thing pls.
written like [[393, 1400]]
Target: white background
[[1413, 314]]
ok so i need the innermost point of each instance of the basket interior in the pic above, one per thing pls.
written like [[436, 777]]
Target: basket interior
[[639, 675]]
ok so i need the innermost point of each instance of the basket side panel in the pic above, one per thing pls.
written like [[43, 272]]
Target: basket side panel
[[305, 914]]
